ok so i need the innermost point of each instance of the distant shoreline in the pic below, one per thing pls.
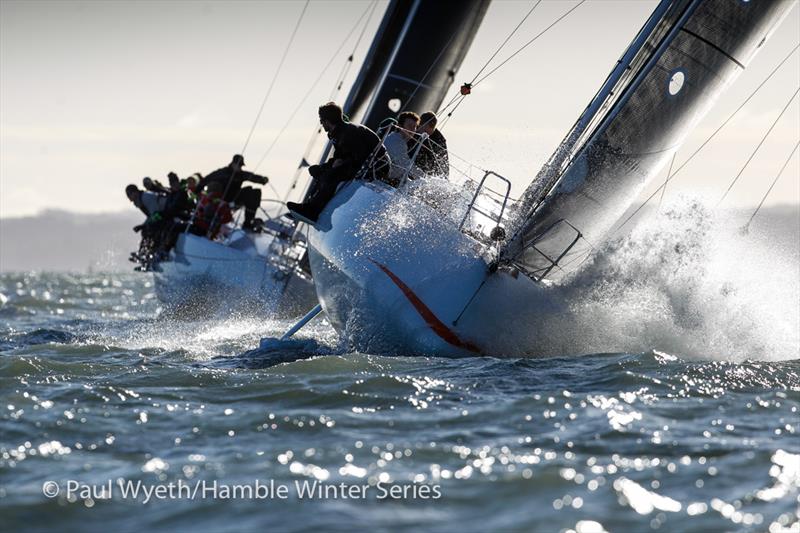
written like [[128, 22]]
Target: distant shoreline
[[64, 241]]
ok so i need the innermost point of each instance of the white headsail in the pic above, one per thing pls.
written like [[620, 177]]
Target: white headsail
[[686, 54]]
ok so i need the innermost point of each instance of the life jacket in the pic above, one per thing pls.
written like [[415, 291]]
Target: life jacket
[[211, 209]]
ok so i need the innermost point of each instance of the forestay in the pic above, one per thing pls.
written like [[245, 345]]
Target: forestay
[[687, 53]]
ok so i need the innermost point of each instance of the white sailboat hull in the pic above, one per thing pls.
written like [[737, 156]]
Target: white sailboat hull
[[393, 275], [203, 276]]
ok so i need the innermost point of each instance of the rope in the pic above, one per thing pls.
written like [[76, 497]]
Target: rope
[[509, 58], [316, 82], [746, 226], [275, 77], [764, 138], [524, 46], [730, 117]]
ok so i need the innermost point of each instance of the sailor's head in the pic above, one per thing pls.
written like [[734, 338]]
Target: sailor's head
[[148, 183], [132, 192], [407, 121], [174, 182], [237, 162], [330, 116], [427, 123], [191, 181]]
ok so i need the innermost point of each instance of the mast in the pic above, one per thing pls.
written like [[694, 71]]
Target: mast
[[685, 56]]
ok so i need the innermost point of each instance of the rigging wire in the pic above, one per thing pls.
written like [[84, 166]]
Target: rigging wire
[[510, 35], [727, 120], [486, 64], [303, 163], [337, 87], [764, 138], [457, 101], [421, 82], [349, 63], [316, 82], [747, 226], [669, 173], [460, 96], [275, 77], [523, 47]]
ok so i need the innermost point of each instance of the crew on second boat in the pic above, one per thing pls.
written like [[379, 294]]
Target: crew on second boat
[[231, 179], [166, 212], [212, 212]]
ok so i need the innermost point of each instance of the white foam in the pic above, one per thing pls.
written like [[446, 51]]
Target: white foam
[[685, 282]]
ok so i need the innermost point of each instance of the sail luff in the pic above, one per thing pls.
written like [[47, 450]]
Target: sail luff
[[413, 58], [677, 78], [426, 57], [554, 166], [394, 20], [395, 50], [389, 30]]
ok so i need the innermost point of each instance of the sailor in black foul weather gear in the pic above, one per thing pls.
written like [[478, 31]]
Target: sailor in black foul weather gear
[[179, 202], [358, 153], [231, 179]]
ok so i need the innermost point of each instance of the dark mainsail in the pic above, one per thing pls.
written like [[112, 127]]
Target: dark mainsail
[[391, 26], [413, 59], [426, 42], [687, 53]]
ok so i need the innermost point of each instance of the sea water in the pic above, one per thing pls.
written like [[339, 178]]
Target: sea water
[[668, 400]]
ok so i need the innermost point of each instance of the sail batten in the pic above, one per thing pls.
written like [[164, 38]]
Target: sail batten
[[668, 78]]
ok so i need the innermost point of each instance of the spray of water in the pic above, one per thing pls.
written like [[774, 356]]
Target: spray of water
[[687, 282]]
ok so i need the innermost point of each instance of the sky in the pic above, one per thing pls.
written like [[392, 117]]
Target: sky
[[95, 95]]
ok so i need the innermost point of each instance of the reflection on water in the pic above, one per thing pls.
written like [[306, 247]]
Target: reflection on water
[[94, 389]]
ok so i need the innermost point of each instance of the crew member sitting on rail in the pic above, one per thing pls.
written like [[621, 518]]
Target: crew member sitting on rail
[[179, 202], [432, 159], [152, 185], [159, 230], [148, 202], [358, 153], [230, 179], [190, 183], [397, 145], [212, 212]]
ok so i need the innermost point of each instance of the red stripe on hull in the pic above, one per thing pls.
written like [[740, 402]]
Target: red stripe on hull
[[433, 322]]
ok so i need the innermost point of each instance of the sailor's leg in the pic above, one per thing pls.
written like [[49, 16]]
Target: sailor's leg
[[250, 199], [324, 193]]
